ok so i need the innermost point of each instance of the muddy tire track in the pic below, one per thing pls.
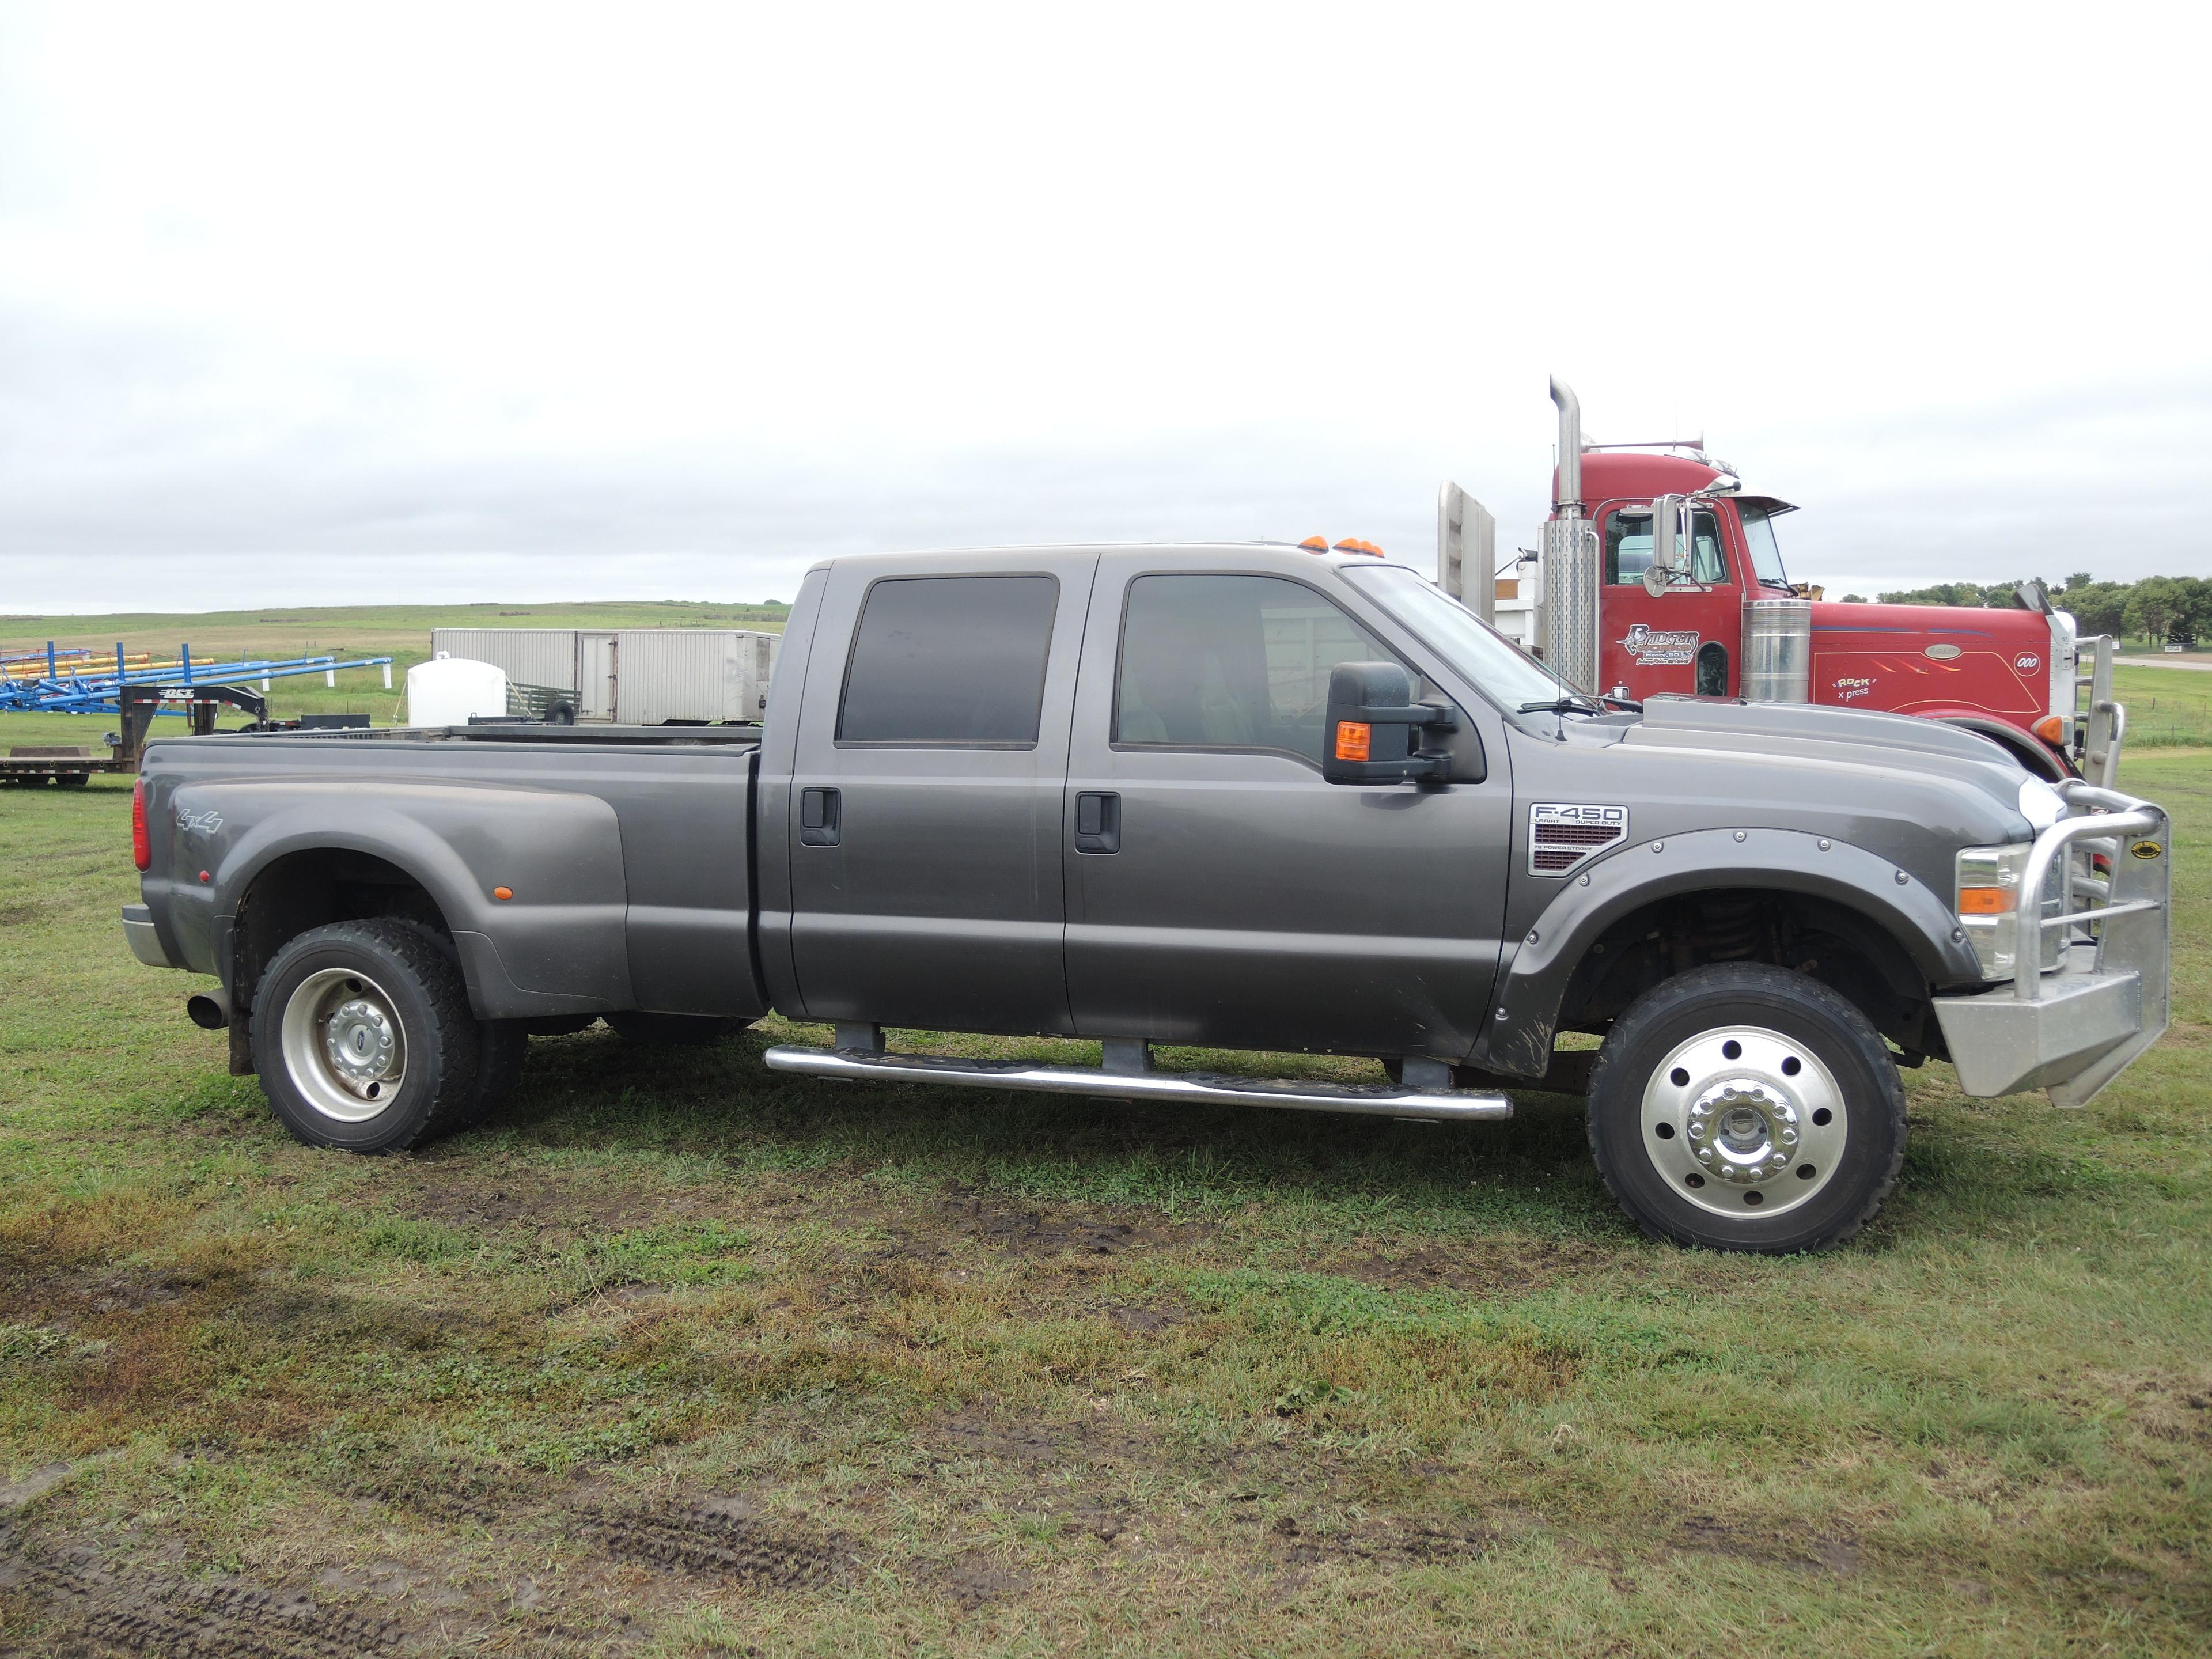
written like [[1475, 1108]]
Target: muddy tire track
[[714, 1539]]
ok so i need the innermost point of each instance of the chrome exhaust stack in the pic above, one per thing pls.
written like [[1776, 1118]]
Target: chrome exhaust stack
[[1570, 624]]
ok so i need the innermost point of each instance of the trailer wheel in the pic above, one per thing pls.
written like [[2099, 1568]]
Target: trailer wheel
[[1744, 1107], [364, 1039], [672, 1031]]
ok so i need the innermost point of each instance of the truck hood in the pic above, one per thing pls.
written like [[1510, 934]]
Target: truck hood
[[1797, 734]]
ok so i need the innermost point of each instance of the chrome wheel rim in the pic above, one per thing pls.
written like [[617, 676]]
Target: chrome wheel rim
[[343, 1046], [1745, 1121]]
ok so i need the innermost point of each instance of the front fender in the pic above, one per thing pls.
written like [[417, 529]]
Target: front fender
[[558, 944], [1526, 1011]]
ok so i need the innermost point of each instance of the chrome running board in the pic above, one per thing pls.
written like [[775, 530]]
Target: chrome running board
[[1378, 1100]]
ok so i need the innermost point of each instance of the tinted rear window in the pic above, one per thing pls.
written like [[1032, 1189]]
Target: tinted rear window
[[949, 659]]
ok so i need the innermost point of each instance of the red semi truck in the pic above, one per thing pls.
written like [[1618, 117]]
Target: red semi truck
[[1717, 616]]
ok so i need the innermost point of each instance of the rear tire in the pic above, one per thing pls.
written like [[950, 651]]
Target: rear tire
[[364, 1039], [1744, 1107]]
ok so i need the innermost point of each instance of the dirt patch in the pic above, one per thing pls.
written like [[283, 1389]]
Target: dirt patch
[[721, 1538], [80, 1603], [1026, 1229], [974, 1580], [1476, 1266], [1778, 1543], [455, 1489], [553, 1205], [1391, 1543], [1037, 1443]]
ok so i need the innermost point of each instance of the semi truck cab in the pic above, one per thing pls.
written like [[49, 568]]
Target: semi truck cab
[[1719, 616]]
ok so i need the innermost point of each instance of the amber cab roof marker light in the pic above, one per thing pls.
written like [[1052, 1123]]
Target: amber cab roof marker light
[[1315, 543]]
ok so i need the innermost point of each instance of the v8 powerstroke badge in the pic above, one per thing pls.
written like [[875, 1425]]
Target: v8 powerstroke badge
[[1654, 648]]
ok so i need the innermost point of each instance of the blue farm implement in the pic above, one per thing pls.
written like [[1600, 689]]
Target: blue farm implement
[[76, 683]]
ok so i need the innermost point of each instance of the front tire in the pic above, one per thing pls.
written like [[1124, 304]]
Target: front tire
[[363, 1038], [1744, 1107]]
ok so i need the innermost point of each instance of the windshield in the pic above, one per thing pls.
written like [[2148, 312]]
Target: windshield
[[1457, 634], [1766, 552]]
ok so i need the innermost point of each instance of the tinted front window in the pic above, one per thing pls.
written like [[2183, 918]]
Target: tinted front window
[[1231, 662], [1628, 549], [955, 659]]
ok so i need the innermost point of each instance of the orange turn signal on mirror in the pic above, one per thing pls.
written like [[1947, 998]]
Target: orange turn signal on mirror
[[1984, 901], [1353, 738], [2051, 728]]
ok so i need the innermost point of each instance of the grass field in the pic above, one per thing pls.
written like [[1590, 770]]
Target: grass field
[[679, 1357]]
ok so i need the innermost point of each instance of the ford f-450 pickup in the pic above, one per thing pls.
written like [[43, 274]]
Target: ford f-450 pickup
[[1238, 797]]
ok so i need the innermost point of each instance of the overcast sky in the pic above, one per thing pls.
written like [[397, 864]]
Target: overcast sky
[[321, 305]]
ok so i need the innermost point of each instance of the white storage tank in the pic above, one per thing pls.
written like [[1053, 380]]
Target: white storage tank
[[449, 690]]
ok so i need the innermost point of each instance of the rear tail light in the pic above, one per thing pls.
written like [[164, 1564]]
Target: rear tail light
[[141, 845]]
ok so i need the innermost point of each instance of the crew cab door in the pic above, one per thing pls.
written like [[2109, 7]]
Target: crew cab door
[[1220, 892], [923, 823], [1686, 641]]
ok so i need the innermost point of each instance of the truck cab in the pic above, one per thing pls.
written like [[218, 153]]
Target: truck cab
[[1721, 616]]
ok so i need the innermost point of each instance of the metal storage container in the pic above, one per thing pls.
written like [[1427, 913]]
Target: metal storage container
[[536, 656], [1778, 650], [691, 674]]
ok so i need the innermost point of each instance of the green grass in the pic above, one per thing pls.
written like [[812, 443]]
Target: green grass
[[962, 1374], [2166, 707]]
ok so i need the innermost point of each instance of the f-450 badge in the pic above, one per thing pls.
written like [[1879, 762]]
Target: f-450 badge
[[1562, 834], [1653, 648]]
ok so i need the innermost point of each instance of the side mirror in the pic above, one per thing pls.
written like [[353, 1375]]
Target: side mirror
[[1373, 718], [1667, 560]]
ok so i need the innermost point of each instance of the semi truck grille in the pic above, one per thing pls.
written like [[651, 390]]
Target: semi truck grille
[[1563, 836]]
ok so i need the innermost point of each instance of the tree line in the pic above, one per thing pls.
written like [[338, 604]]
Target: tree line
[[2175, 610]]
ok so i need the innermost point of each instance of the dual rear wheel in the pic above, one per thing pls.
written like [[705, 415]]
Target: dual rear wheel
[[364, 1040]]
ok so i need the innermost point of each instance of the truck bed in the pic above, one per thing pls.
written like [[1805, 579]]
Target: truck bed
[[625, 853]]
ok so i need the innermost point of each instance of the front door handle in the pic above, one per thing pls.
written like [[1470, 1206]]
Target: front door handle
[[1097, 824], [821, 817]]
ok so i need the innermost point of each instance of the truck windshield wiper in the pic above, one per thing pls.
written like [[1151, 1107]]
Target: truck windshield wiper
[[1572, 703]]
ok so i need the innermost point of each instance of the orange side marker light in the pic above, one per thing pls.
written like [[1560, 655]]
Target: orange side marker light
[[502, 893], [1353, 738], [1984, 901], [2051, 728]]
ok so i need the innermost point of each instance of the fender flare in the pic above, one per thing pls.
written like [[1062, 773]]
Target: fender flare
[[563, 949], [1525, 1012]]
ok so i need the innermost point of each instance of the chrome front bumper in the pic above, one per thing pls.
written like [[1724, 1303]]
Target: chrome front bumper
[[2072, 1030]]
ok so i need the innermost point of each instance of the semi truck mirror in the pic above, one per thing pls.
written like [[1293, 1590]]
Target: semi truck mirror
[[1667, 560], [1369, 738]]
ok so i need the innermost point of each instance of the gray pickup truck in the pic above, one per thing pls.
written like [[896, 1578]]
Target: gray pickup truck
[[1238, 797]]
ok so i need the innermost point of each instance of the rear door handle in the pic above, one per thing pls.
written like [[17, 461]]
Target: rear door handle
[[1097, 824], [821, 817]]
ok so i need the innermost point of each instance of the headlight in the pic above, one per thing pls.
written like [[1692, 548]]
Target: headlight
[[1989, 880]]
